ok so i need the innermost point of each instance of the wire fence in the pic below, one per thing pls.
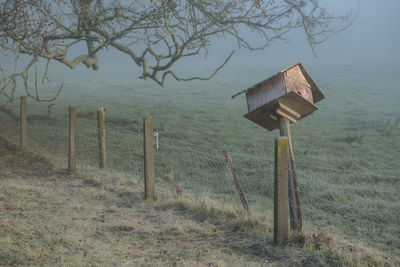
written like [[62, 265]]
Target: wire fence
[[367, 211]]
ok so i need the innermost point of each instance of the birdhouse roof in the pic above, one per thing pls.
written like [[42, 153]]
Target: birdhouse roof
[[316, 92]]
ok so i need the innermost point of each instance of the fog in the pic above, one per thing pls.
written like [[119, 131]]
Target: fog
[[347, 155], [373, 38]]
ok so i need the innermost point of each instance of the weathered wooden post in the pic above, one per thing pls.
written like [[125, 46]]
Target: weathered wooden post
[[284, 125], [23, 124], [49, 109], [72, 139], [102, 137], [281, 191], [232, 171], [296, 221], [149, 191], [274, 103]]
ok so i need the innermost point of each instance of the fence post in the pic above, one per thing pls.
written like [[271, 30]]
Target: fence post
[[293, 205], [23, 124], [281, 191], [232, 171], [49, 109], [102, 137], [149, 191], [72, 139]]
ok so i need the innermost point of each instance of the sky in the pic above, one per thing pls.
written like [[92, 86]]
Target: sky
[[373, 38]]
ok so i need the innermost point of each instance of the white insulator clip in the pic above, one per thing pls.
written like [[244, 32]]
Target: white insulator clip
[[156, 134]]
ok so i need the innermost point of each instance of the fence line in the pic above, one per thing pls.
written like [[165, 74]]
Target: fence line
[[356, 210]]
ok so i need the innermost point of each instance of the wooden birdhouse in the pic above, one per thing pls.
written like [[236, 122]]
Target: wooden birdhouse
[[290, 93], [273, 103]]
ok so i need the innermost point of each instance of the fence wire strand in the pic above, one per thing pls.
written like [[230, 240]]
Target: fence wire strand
[[356, 209]]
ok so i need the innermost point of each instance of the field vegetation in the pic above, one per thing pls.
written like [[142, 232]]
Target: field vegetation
[[346, 156]]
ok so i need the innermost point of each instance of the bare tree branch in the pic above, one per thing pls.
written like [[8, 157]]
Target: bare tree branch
[[154, 34]]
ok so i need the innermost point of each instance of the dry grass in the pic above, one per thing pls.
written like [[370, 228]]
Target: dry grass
[[100, 218]]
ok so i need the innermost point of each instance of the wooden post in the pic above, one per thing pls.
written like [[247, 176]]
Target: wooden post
[[281, 191], [294, 195], [23, 124], [232, 171], [102, 137], [149, 191], [72, 139], [295, 190], [285, 131], [49, 109]]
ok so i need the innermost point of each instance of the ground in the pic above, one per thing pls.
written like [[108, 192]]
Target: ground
[[100, 218]]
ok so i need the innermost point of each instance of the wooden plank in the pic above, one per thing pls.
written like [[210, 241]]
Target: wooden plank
[[264, 118], [265, 92], [295, 194], [102, 137], [262, 115], [295, 73], [149, 191], [23, 124], [299, 88], [289, 110], [297, 198], [284, 114], [72, 139], [316, 92], [281, 191]]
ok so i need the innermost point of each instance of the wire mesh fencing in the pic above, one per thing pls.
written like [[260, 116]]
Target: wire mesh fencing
[[186, 171], [356, 203], [124, 150]]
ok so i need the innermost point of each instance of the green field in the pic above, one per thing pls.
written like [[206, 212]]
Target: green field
[[347, 152]]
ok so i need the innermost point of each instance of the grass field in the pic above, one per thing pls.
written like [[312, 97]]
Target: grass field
[[347, 153]]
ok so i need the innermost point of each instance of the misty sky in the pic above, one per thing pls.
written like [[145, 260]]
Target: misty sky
[[373, 38]]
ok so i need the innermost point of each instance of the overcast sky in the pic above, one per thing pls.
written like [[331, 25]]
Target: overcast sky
[[373, 38]]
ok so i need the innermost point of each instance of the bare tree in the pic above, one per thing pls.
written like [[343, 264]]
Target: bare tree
[[155, 34]]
